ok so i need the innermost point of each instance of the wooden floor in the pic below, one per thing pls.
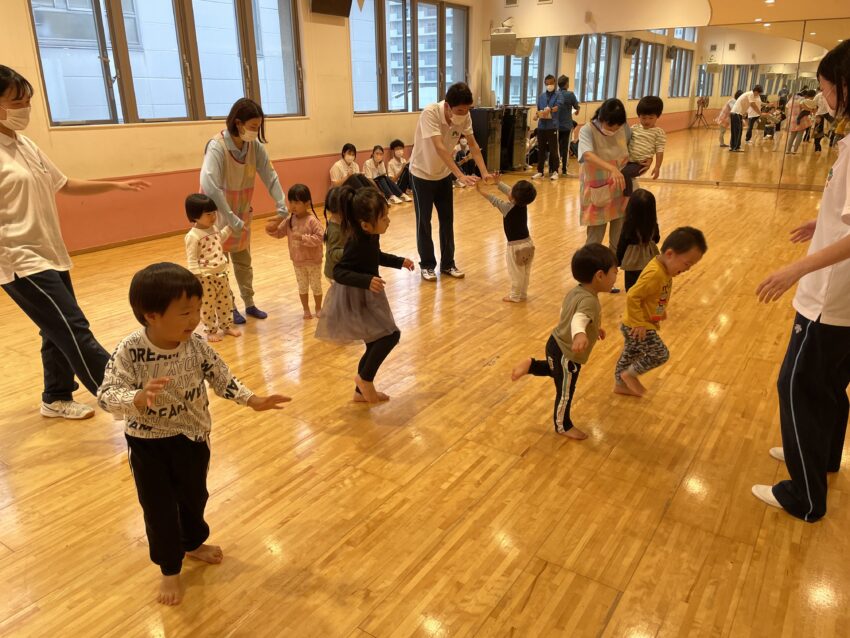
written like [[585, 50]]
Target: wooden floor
[[695, 155], [453, 510]]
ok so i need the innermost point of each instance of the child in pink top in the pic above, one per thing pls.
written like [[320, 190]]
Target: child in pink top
[[306, 246]]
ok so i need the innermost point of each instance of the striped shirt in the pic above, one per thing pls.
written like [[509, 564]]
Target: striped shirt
[[646, 142]]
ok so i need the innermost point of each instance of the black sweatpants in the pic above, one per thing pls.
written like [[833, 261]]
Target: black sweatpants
[[737, 126], [171, 481], [376, 352], [564, 147], [428, 194], [813, 411], [68, 347], [750, 123], [630, 171], [565, 374], [388, 186], [403, 181], [547, 143]]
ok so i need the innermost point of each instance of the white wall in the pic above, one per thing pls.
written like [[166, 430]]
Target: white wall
[[753, 48]]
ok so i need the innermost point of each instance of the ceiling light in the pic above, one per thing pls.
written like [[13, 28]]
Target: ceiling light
[[769, 1], [766, 24], [758, 20], [813, 33]]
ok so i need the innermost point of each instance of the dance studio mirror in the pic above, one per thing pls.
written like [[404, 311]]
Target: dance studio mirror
[[696, 71]]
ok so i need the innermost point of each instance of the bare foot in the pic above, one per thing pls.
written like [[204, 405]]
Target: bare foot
[[358, 398], [632, 383], [213, 336], [508, 299], [318, 314], [170, 591], [575, 433], [367, 389], [233, 332], [208, 553], [307, 314], [521, 369], [624, 389]]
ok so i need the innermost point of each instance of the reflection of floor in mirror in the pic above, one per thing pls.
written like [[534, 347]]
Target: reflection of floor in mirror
[[453, 509], [696, 155]]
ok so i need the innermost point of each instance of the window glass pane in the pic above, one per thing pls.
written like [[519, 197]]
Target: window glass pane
[[70, 60], [218, 50], [399, 46], [456, 29], [515, 90], [277, 61], [533, 74], [612, 60], [155, 60], [552, 50], [579, 73], [591, 71], [364, 59], [497, 78], [659, 31], [427, 52]]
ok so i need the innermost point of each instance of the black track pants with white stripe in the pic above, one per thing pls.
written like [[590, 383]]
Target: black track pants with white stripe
[[565, 374], [813, 410], [68, 347]]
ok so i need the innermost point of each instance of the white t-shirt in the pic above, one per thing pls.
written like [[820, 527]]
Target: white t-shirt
[[395, 166], [826, 292], [425, 163], [373, 169], [30, 236], [342, 170], [742, 104]]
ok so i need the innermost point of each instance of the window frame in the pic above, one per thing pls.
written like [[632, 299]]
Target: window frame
[[680, 82], [108, 15], [647, 62], [704, 83], [727, 80], [600, 93], [542, 66]]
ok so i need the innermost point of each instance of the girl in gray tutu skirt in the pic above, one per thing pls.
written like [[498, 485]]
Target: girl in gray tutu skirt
[[356, 309]]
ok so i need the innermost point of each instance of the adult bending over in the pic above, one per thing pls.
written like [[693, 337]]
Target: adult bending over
[[34, 262]]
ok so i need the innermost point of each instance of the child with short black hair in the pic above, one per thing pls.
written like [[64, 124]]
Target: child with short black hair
[[357, 307], [640, 235], [647, 141], [594, 266], [520, 250], [206, 259], [398, 169], [155, 380], [646, 308]]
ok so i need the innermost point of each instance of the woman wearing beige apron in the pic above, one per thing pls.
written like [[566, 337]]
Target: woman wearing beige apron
[[231, 161]]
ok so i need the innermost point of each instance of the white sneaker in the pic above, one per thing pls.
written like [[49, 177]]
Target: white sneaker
[[778, 453], [537, 176], [395, 200], [765, 493], [461, 184], [406, 197], [428, 274], [66, 410], [554, 177], [453, 272]]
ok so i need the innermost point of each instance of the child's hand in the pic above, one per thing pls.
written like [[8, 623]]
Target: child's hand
[[271, 402], [602, 334], [407, 264], [271, 227], [377, 284], [638, 332], [146, 396], [656, 172], [580, 343]]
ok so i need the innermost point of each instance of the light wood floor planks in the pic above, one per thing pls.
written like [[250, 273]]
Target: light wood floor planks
[[454, 510]]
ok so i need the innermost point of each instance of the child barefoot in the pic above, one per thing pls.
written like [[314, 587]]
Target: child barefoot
[[639, 237], [594, 266], [167, 421], [520, 251], [305, 234], [646, 308], [206, 259], [334, 238], [357, 306]]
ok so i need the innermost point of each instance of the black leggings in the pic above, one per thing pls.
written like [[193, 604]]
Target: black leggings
[[388, 186], [376, 352]]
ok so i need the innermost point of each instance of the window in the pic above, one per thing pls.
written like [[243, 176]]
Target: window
[[597, 66], [705, 82], [747, 76], [688, 34], [727, 79], [518, 80], [680, 73], [658, 31], [141, 60], [404, 53], [645, 73]]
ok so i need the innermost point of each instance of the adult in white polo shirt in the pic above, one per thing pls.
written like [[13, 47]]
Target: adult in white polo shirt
[[431, 169], [813, 405], [739, 112], [34, 262]]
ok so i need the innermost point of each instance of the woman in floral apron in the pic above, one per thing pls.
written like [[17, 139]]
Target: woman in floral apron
[[231, 161], [602, 151]]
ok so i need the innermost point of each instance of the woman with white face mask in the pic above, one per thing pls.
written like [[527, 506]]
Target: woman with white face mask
[[34, 263], [231, 160]]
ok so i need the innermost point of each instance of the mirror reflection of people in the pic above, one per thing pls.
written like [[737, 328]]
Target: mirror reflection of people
[[724, 118], [813, 380], [34, 262], [549, 104], [570, 106], [739, 111], [232, 159]]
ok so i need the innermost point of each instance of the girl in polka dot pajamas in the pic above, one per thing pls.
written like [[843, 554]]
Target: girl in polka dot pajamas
[[209, 263]]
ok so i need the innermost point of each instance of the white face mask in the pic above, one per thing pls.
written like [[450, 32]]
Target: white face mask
[[463, 142], [349, 159], [399, 153], [248, 136], [550, 88], [458, 120], [17, 119], [605, 131]]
